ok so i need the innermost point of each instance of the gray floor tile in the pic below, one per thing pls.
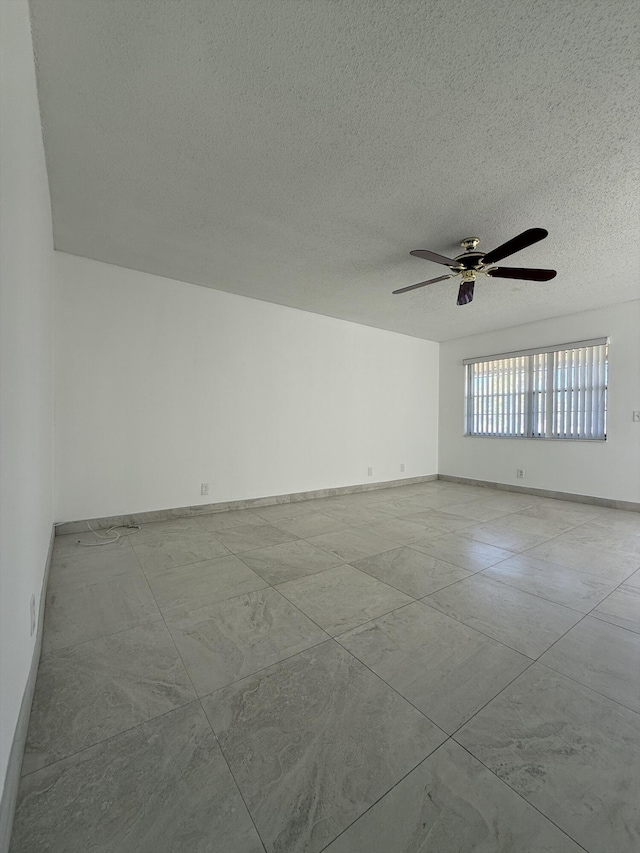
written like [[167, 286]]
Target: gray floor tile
[[170, 550], [171, 528], [287, 510], [464, 552], [311, 524], [596, 535], [280, 563], [478, 510], [252, 536], [521, 621], [356, 515], [621, 608], [188, 587], [75, 614], [215, 521], [313, 742], [96, 690], [565, 512], [633, 580], [572, 753], [342, 598], [601, 656], [450, 803], [446, 669], [570, 587], [74, 565], [443, 522], [402, 531], [227, 641], [596, 561], [411, 571], [352, 544], [515, 532], [163, 787]]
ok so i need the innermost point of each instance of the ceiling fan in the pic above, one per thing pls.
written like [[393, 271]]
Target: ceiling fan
[[472, 263]]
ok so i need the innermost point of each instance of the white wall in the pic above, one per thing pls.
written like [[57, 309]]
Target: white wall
[[608, 469], [26, 371], [162, 385]]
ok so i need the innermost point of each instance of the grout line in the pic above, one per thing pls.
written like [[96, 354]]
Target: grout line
[[231, 773], [522, 797]]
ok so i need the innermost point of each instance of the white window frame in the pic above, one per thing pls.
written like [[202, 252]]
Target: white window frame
[[554, 393]]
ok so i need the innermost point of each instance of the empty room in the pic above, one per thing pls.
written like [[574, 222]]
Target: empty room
[[320, 426]]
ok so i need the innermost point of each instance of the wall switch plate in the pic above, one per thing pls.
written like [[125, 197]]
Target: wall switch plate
[[369, 472], [204, 488], [520, 473], [32, 615], [401, 467], [636, 417]]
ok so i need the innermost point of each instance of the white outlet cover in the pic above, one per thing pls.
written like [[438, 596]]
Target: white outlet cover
[[636, 416]]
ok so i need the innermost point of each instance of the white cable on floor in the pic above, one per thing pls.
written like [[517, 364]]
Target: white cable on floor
[[132, 528]]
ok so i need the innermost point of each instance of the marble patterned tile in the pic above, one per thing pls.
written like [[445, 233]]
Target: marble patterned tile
[[516, 532], [280, 563], [444, 668], [411, 571], [74, 565], [188, 587], [616, 519], [163, 786], [249, 537], [402, 531], [570, 587], [93, 691], [311, 524], [564, 512], [356, 515], [313, 742], [621, 608], [74, 614], [450, 803], [606, 564], [521, 621], [227, 641], [170, 550], [461, 551], [171, 528], [633, 580], [599, 536], [278, 512], [443, 522], [572, 753], [215, 521], [601, 656], [478, 510], [352, 544], [342, 598]]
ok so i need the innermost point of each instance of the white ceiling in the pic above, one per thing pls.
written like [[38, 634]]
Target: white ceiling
[[296, 151]]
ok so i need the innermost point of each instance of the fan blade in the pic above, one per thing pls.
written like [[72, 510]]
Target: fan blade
[[525, 274], [527, 238], [426, 255], [465, 294], [424, 283]]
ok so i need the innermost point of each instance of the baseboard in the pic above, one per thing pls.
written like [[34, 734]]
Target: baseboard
[[14, 767], [631, 506], [226, 506]]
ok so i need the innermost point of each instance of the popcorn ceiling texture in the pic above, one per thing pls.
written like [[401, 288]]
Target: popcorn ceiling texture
[[296, 151]]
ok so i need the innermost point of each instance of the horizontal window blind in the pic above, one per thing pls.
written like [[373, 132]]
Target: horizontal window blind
[[558, 392]]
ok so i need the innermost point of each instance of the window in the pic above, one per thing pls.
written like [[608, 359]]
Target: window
[[554, 392]]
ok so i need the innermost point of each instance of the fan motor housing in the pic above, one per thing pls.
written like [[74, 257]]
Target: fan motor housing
[[470, 260]]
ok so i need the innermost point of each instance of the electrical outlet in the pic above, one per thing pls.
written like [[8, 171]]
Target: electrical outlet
[[401, 467], [32, 615], [204, 488], [520, 473], [369, 472], [636, 417]]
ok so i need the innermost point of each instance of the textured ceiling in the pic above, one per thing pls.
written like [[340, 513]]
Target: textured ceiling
[[296, 151]]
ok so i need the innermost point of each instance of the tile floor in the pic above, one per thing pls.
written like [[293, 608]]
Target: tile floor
[[432, 667]]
